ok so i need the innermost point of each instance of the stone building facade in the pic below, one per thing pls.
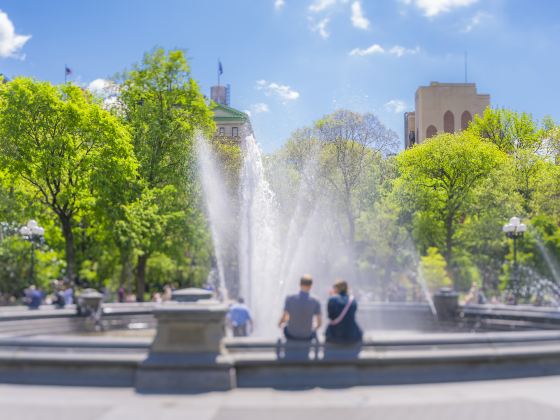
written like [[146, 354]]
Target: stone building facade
[[231, 124], [442, 108]]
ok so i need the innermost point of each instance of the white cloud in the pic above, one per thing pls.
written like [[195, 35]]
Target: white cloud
[[476, 20], [395, 105], [284, 92], [321, 27], [259, 108], [321, 5], [374, 49], [279, 4], [399, 51], [358, 18], [10, 42], [435, 7], [396, 50]]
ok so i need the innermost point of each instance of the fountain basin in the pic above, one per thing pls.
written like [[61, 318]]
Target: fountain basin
[[386, 356]]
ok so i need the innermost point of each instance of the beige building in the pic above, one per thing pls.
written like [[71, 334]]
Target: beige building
[[231, 124], [442, 107]]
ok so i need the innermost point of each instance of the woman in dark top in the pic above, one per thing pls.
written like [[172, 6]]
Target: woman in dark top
[[341, 310]]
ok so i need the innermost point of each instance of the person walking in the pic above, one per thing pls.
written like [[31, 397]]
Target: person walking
[[302, 313], [341, 308]]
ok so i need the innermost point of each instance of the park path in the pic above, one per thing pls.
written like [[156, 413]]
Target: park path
[[506, 399]]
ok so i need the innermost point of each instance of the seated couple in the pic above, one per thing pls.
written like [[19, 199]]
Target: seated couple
[[302, 309]]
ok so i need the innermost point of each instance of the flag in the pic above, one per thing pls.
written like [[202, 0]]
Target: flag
[[220, 68], [67, 71]]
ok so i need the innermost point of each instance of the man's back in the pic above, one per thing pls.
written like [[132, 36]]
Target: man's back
[[301, 309]]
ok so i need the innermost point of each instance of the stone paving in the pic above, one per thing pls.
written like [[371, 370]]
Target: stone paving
[[535, 398]]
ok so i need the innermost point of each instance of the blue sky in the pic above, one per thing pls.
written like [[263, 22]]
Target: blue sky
[[290, 62]]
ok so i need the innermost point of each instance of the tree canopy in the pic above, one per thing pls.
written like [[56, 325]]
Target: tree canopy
[[68, 152]]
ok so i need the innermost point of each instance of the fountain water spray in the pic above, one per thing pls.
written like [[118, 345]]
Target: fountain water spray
[[277, 236], [219, 210]]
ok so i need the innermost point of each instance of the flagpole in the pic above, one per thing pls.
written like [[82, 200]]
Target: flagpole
[[65, 73], [218, 72]]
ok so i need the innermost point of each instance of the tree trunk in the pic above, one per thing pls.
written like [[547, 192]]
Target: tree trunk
[[66, 222], [141, 277], [126, 272], [449, 232], [351, 227]]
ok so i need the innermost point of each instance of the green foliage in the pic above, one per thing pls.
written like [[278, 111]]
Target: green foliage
[[350, 145], [65, 149], [510, 131], [438, 182], [230, 158], [121, 184], [164, 110], [118, 192], [434, 270], [153, 221]]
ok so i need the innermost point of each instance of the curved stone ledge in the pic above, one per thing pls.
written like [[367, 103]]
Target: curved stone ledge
[[189, 353], [258, 369]]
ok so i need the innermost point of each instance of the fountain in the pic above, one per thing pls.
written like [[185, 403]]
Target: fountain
[[283, 226], [219, 209], [276, 242]]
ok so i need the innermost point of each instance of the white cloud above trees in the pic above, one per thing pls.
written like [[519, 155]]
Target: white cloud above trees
[[395, 105], [259, 108], [10, 42], [283, 92]]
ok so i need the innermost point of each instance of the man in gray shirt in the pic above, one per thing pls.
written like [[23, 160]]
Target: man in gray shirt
[[299, 311]]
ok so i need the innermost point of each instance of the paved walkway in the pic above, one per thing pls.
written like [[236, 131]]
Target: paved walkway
[[511, 399]]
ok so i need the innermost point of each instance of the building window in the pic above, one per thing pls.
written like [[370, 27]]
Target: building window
[[222, 131], [466, 118], [431, 131], [234, 131], [448, 122]]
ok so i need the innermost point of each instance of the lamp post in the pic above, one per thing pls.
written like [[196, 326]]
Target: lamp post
[[35, 234], [515, 230]]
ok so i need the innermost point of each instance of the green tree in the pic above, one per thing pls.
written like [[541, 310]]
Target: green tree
[[437, 182], [165, 110], [434, 270], [65, 148], [153, 223], [351, 144], [521, 137], [510, 131]]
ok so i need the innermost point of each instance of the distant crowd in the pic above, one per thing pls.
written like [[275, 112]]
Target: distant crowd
[[62, 294]]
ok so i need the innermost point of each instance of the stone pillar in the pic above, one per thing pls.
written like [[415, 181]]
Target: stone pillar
[[187, 354]]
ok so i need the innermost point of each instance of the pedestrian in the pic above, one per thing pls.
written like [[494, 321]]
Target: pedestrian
[[239, 318], [167, 293], [34, 297], [69, 295], [341, 308], [302, 313], [121, 294]]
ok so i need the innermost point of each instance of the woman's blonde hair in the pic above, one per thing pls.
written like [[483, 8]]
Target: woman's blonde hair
[[341, 286]]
